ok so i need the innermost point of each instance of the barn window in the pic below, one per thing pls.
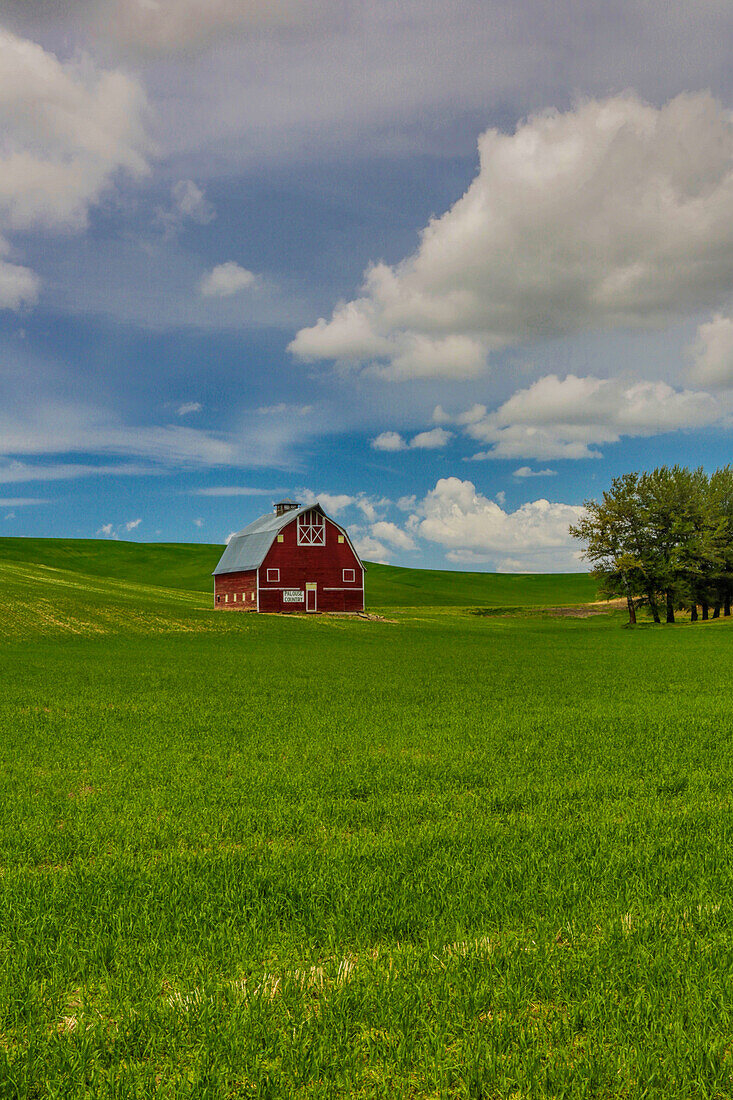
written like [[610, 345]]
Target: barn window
[[281, 538], [273, 575], [234, 598], [253, 595], [341, 538], [226, 599], [311, 529], [349, 575]]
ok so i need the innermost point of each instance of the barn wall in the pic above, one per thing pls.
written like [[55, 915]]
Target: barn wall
[[319, 565], [243, 586]]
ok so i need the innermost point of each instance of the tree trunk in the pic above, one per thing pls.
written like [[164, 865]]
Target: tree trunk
[[653, 607], [716, 609], [670, 607], [704, 611], [632, 611], [693, 613], [726, 605]]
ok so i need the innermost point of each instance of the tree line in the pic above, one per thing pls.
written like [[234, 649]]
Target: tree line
[[663, 540]]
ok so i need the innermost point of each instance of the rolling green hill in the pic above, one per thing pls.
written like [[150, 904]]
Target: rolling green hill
[[167, 564], [188, 567], [391, 586]]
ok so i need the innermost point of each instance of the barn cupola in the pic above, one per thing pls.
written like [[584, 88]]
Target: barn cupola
[[283, 506]]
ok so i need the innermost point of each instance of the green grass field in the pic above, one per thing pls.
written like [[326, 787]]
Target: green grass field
[[189, 567], [447, 854]]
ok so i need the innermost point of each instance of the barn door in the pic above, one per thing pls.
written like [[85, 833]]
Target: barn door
[[310, 597]]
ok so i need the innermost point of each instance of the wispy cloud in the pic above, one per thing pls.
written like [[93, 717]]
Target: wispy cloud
[[17, 472], [232, 491], [113, 531]]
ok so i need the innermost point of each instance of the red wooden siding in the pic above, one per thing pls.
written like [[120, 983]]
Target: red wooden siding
[[320, 565], [236, 591]]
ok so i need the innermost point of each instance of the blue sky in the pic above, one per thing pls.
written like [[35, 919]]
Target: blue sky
[[448, 268]]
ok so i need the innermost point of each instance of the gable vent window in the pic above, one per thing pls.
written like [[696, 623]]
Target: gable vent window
[[311, 529]]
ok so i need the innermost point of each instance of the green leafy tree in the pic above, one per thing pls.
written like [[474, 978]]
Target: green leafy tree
[[663, 536], [613, 531], [720, 497]]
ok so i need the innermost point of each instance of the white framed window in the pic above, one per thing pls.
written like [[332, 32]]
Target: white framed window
[[311, 529], [273, 576], [349, 574]]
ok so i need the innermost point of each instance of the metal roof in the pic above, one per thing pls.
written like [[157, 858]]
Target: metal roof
[[247, 549]]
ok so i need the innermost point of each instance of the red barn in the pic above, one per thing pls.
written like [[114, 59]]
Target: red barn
[[295, 559]]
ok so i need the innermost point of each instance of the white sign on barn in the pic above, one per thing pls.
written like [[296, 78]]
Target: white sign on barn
[[293, 595]]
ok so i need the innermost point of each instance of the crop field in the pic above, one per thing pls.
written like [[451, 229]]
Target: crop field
[[475, 848]]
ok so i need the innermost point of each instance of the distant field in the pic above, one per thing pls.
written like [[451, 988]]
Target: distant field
[[447, 855], [189, 566]]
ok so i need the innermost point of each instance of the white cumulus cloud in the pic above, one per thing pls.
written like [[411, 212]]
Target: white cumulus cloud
[[394, 535], [615, 214], [527, 471], [389, 441], [19, 286], [67, 129], [568, 418], [431, 440], [371, 549], [713, 353], [226, 279], [473, 528]]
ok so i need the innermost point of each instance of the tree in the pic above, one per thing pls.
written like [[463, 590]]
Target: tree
[[720, 498], [613, 531], [664, 535]]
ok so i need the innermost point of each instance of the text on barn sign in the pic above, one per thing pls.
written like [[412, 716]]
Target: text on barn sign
[[293, 595]]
